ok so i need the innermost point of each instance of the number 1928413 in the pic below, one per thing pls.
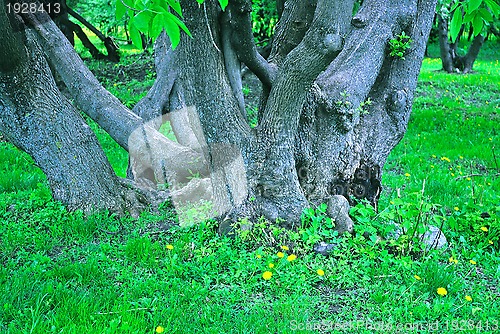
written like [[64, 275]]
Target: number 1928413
[[32, 7]]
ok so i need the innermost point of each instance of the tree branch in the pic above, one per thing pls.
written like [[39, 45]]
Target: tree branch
[[321, 44], [343, 88], [155, 103], [152, 149], [232, 63], [243, 42], [12, 52], [295, 20], [108, 42], [444, 45]]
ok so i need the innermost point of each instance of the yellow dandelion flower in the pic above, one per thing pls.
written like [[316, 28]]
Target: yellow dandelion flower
[[445, 159], [472, 262], [169, 247], [490, 242], [450, 168], [271, 265], [468, 179], [442, 292], [407, 174], [450, 259], [461, 157], [291, 257], [456, 208], [417, 277], [320, 272], [159, 329], [468, 298], [484, 229], [452, 174], [259, 256], [434, 156], [285, 248], [280, 255], [267, 275]]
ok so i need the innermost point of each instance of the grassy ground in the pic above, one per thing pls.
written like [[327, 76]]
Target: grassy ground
[[62, 273]]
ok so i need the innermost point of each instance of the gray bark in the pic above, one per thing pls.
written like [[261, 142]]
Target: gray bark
[[317, 136], [40, 121], [152, 150], [444, 46], [471, 56], [342, 148], [451, 60]]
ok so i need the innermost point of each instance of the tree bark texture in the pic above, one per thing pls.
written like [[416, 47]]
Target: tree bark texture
[[317, 137], [39, 120], [334, 105]]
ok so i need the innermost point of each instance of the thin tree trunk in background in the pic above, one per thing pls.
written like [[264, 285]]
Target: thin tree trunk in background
[[109, 44], [453, 62], [444, 46], [471, 56]]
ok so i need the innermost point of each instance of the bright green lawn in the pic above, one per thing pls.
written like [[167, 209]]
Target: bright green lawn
[[62, 273]]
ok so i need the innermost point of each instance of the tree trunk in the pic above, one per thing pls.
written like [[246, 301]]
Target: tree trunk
[[353, 121], [444, 45], [40, 121], [307, 147], [334, 105], [471, 56], [109, 44], [451, 60]]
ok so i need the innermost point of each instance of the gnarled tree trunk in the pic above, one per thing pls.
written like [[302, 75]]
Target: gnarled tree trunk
[[334, 105], [38, 119]]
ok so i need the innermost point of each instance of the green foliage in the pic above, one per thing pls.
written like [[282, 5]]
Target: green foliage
[[363, 110], [316, 225], [474, 15], [152, 16], [399, 45], [264, 20], [100, 13]]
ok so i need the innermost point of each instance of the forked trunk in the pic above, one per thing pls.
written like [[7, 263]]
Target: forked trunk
[[318, 136], [334, 105], [451, 60]]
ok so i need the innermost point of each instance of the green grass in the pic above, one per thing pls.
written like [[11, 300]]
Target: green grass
[[63, 273]]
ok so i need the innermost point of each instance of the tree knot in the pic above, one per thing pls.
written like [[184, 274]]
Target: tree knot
[[333, 43], [397, 100], [359, 21]]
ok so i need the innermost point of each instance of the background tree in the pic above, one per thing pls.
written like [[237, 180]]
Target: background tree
[[337, 95], [455, 18]]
